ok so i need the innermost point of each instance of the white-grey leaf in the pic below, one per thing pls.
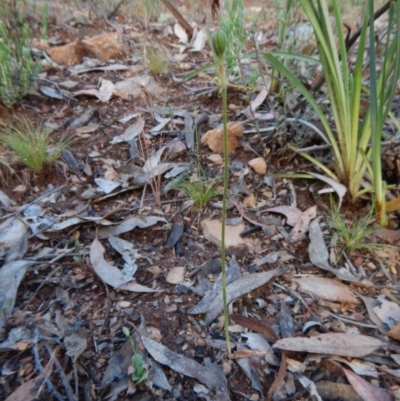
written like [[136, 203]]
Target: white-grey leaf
[[107, 186], [319, 255], [339, 188], [181, 34], [199, 42], [11, 275], [182, 364], [128, 253], [130, 133], [129, 224]]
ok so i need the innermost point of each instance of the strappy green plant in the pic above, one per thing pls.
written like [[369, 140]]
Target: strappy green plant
[[355, 142]]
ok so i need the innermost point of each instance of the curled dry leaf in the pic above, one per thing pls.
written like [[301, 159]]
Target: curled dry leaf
[[111, 275], [214, 139], [292, 213], [300, 229]]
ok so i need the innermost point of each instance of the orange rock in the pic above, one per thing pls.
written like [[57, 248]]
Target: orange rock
[[214, 139], [106, 46], [68, 55]]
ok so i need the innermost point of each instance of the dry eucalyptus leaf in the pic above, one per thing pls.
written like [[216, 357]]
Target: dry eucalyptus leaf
[[111, 275], [366, 391], [326, 288], [341, 344], [319, 254], [340, 189], [182, 364], [298, 232], [292, 213], [11, 275]]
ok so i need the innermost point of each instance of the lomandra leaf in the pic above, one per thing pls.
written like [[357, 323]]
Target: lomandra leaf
[[366, 391], [333, 344]]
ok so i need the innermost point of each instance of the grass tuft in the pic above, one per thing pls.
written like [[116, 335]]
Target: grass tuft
[[199, 191], [157, 61], [31, 144], [351, 235]]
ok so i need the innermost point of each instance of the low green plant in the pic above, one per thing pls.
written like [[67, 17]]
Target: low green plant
[[140, 373], [219, 42], [157, 61], [17, 68], [45, 22], [355, 142], [351, 234], [200, 191], [233, 26], [79, 258], [32, 144]]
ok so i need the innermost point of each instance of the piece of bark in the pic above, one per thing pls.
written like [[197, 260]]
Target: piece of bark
[[330, 391]]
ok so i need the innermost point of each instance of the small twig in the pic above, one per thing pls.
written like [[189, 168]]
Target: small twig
[[41, 285], [313, 148], [355, 322], [19, 211], [112, 14], [39, 367], [108, 307], [63, 377]]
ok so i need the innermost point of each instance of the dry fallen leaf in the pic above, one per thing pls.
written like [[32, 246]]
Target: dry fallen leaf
[[366, 391], [292, 213], [326, 288], [342, 344], [300, 229], [111, 275], [214, 139], [182, 364]]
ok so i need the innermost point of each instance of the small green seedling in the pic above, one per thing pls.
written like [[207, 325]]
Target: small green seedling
[[199, 191], [79, 259], [140, 373], [157, 61], [31, 144]]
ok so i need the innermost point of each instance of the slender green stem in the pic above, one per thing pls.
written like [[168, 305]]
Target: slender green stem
[[224, 200]]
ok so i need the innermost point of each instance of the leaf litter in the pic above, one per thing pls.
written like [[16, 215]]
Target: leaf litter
[[295, 309]]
